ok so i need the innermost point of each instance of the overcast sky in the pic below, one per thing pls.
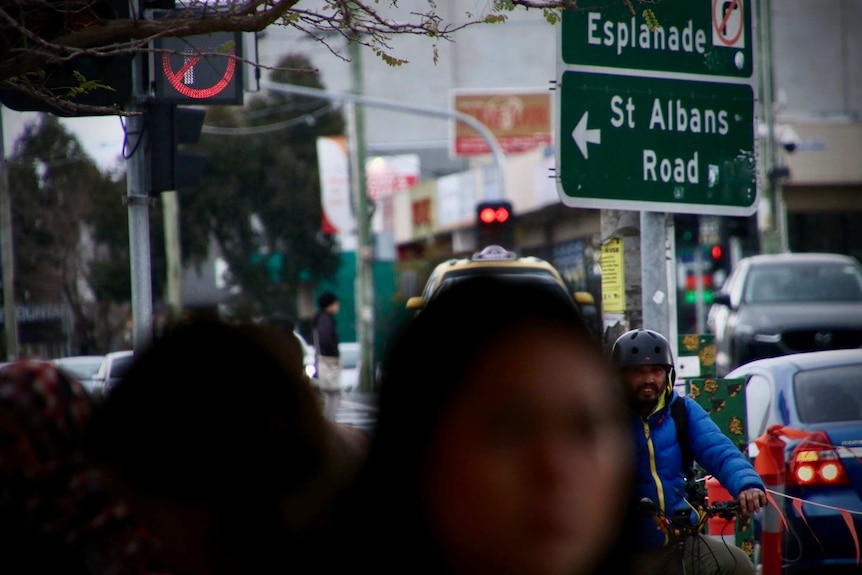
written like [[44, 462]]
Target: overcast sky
[[101, 136]]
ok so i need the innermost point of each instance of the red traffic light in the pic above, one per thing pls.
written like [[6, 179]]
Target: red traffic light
[[494, 214], [716, 252]]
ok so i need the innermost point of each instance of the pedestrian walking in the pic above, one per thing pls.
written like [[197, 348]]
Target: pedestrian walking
[[326, 351]]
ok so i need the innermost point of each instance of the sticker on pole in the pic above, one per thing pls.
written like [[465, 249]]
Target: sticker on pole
[[728, 24], [202, 69]]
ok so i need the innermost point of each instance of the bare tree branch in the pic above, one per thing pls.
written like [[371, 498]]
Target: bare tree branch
[[38, 34]]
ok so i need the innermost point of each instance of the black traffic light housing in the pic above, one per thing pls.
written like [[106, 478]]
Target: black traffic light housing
[[86, 80], [686, 230], [170, 127], [495, 224]]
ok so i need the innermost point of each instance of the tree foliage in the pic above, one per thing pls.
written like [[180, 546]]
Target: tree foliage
[[70, 233], [37, 35], [260, 195]]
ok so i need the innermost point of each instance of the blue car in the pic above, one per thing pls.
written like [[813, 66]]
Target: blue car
[[819, 393]]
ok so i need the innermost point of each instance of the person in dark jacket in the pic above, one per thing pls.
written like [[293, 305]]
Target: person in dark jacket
[[646, 362], [327, 355]]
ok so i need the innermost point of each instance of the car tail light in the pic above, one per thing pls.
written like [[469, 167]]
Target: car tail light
[[814, 461]]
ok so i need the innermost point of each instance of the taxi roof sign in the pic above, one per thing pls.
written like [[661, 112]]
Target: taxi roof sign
[[494, 253]]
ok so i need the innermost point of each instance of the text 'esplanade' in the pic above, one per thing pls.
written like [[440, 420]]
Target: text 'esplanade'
[[631, 35]]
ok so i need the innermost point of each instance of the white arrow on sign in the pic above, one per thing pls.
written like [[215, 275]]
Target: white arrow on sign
[[583, 136]]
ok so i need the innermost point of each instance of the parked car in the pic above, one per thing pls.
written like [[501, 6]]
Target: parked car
[[778, 304], [819, 393], [350, 359], [497, 261], [113, 367], [84, 368], [308, 357]]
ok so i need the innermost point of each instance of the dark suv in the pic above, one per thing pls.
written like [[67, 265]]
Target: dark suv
[[778, 304]]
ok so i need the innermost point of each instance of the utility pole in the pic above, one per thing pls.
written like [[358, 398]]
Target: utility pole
[[364, 251], [772, 217], [138, 203], [7, 256], [171, 215]]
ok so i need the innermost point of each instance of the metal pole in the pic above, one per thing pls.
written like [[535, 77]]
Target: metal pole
[[138, 203], [364, 254], [171, 215], [7, 255], [481, 129], [774, 230], [654, 274]]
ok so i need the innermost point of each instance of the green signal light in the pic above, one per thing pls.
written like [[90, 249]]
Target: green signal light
[[690, 297]]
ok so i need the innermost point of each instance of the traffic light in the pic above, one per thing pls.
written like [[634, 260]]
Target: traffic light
[[86, 80], [686, 230], [720, 257], [171, 126], [495, 223]]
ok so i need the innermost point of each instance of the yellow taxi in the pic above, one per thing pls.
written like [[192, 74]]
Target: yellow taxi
[[500, 262]]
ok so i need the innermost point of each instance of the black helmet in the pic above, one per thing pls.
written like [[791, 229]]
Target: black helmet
[[643, 347]]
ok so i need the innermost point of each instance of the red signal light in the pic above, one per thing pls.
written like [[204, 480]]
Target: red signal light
[[490, 215], [487, 215], [716, 252]]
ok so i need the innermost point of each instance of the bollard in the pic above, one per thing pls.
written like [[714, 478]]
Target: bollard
[[770, 465]]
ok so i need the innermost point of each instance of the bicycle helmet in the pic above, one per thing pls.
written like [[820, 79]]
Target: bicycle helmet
[[643, 347]]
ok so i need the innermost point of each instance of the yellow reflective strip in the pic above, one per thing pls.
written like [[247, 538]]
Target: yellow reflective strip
[[654, 473]]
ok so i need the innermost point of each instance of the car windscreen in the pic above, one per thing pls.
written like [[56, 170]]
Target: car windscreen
[[782, 283], [120, 366], [829, 394], [508, 274], [81, 369], [349, 356]]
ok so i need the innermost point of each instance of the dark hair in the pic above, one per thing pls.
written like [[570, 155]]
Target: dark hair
[[206, 408], [326, 299], [426, 363], [422, 372], [279, 321], [215, 416]]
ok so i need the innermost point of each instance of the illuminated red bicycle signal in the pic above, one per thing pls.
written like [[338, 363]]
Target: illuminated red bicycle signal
[[199, 69]]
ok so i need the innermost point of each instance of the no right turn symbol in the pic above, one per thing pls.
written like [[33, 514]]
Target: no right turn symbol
[[727, 24]]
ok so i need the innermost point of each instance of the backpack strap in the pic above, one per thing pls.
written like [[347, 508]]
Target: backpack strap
[[680, 419]]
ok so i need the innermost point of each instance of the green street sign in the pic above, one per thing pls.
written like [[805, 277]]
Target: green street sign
[[656, 144], [703, 37]]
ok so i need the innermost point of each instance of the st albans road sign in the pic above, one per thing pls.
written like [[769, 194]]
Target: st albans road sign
[[679, 145], [662, 118]]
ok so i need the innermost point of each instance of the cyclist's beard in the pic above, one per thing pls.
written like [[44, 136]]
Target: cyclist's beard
[[645, 404]]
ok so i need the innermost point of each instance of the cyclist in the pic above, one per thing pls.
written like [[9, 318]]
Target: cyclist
[[647, 368]]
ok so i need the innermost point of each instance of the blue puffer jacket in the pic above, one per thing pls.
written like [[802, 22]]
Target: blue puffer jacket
[[660, 475]]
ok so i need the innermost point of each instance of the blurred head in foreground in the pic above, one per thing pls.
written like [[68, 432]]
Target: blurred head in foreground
[[56, 514], [501, 445], [215, 437]]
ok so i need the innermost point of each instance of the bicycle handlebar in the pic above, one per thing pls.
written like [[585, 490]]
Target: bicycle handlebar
[[680, 523]]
